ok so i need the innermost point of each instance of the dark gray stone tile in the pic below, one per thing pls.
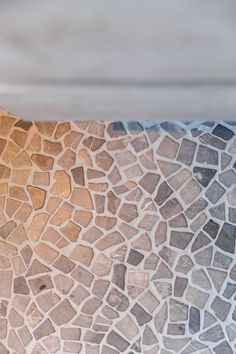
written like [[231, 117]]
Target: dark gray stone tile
[[194, 320], [180, 239], [207, 155], [118, 277], [223, 132], [226, 238], [164, 191], [223, 348], [220, 308], [140, 314], [204, 175], [211, 228], [135, 257], [215, 192], [115, 340]]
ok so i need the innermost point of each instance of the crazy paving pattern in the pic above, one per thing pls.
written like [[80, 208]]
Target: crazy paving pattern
[[117, 237]]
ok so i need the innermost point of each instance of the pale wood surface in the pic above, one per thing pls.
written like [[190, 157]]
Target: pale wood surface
[[160, 57]]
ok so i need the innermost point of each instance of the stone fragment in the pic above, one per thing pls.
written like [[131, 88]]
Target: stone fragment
[[223, 348], [82, 198], [168, 148], [64, 264], [180, 239], [7, 229], [200, 279], [204, 257], [37, 226], [6, 249], [173, 129], [117, 300], [45, 163], [207, 155], [62, 214], [20, 176], [104, 160], [186, 152], [62, 129], [139, 143], [14, 342], [178, 311], [15, 319], [223, 132], [105, 222], [161, 318], [92, 234], [218, 211], [149, 182], [67, 160], [118, 276], [226, 238], [217, 277], [26, 253], [215, 192], [22, 160], [18, 193], [176, 329], [203, 175], [11, 207], [63, 284], [163, 193], [41, 283], [163, 272], [140, 314], [83, 217], [200, 241], [175, 344], [171, 208], [228, 178], [110, 240], [5, 284], [62, 313], [184, 264], [38, 196], [82, 254], [62, 186], [91, 305], [196, 297], [101, 265], [43, 330], [45, 252], [52, 148], [78, 175], [128, 212], [37, 268], [180, 286], [100, 287], [220, 308], [134, 257], [116, 129], [211, 228], [229, 291], [82, 276]]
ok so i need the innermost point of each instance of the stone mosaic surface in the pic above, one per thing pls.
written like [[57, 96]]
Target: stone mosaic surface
[[117, 237]]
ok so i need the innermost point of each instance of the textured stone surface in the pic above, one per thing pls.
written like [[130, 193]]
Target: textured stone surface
[[117, 237]]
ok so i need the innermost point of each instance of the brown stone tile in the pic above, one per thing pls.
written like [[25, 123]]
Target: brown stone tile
[[62, 313], [45, 163], [82, 198]]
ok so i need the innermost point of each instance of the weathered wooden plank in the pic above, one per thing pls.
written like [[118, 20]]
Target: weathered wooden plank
[[135, 40], [118, 103]]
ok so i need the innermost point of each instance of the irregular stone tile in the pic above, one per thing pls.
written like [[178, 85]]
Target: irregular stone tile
[[149, 337], [140, 143], [105, 222], [62, 214], [218, 211], [62, 186], [223, 348], [18, 265], [71, 231], [20, 176], [22, 160], [168, 148], [18, 193], [231, 331], [45, 252], [43, 330], [207, 155], [171, 208], [82, 198], [186, 152], [198, 222], [178, 311], [200, 279], [82, 254], [176, 329], [19, 137], [232, 215], [118, 276], [67, 160], [174, 129], [196, 297], [223, 132], [175, 343], [180, 239], [100, 287], [220, 308], [15, 319], [82, 275], [226, 238], [211, 228], [128, 212], [25, 335], [149, 301], [148, 222], [38, 196], [14, 342], [215, 192], [91, 305], [110, 240], [10, 153], [228, 178], [213, 141], [5, 172], [140, 314], [23, 124], [164, 289], [83, 217], [5, 284], [196, 208], [37, 226], [190, 191], [180, 286], [62, 313], [6, 249], [163, 272], [200, 241], [93, 337], [63, 284], [204, 257], [64, 264], [203, 175], [217, 277], [117, 300], [45, 163], [39, 284], [184, 264], [163, 193], [134, 257], [229, 291], [7, 228], [101, 265]]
